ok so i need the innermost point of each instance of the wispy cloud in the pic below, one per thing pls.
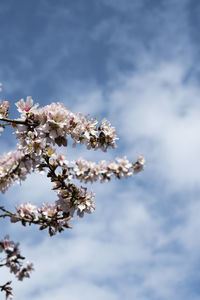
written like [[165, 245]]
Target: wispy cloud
[[158, 110]]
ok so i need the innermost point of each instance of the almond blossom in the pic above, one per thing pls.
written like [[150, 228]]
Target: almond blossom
[[28, 210], [25, 107]]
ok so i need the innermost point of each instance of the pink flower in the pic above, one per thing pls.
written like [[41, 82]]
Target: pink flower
[[24, 107], [139, 165], [48, 210], [27, 210]]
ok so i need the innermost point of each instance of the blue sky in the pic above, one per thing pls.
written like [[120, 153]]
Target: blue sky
[[136, 63]]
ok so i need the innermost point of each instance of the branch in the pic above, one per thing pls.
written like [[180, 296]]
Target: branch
[[55, 221], [16, 121], [7, 213]]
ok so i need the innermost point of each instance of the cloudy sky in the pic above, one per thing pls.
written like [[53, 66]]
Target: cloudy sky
[[135, 62]]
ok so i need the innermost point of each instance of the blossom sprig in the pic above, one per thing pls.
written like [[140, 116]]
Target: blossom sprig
[[14, 167], [71, 198], [14, 261], [90, 171], [56, 216], [53, 123], [48, 216]]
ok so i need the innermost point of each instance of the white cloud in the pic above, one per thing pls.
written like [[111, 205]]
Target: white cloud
[[156, 108]]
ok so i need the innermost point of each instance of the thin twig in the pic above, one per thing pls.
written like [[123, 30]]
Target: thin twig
[[22, 122], [14, 121]]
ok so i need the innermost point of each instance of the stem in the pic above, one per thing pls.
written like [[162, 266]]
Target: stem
[[14, 121], [8, 213], [5, 215]]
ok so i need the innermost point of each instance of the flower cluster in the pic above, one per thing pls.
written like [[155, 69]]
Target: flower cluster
[[48, 216], [14, 166], [90, 171], [73, 199], [13, 259], [27, 210], [52, 124]]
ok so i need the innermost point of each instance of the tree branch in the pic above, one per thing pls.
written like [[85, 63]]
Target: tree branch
[[15, 121]]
